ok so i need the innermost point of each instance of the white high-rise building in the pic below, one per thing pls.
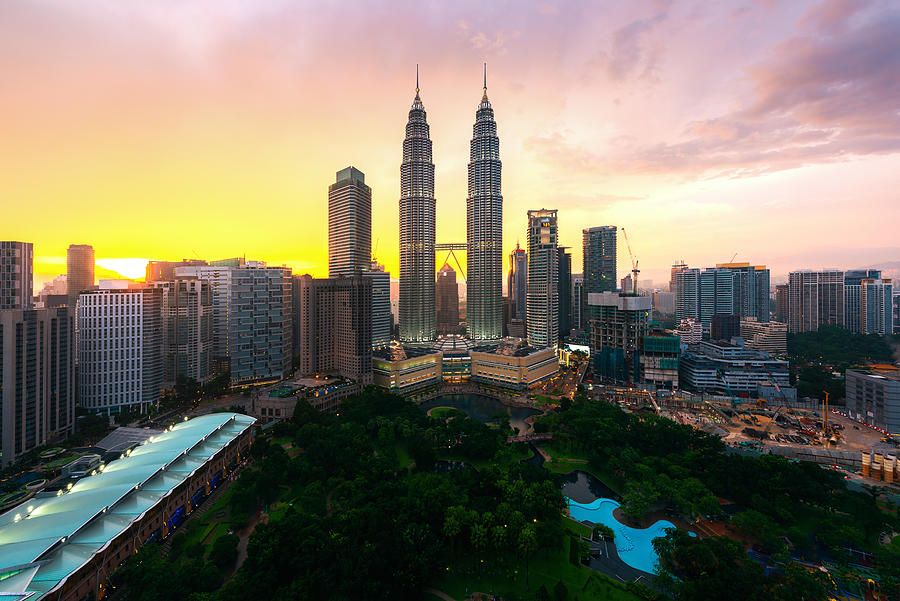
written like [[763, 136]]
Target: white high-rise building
[[484, 228], [542, 302], [119, 348]]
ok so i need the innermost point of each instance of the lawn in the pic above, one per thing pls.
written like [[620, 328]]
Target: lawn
[[577, 528], [546, 568], [445, 412]]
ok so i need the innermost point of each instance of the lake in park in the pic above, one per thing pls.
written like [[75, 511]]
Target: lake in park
[[482, 408]]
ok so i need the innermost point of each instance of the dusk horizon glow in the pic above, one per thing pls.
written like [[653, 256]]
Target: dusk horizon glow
[[768, 130]]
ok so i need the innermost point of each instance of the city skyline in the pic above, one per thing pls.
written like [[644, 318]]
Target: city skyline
[[103, 145]]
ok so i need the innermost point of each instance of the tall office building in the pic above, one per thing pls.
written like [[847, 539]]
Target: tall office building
[[334, 328], [687, 293], [782, 294], [867, 302], [447, 300], [37, 378], [599, 246], [617, 330], [186, 317], [484, 228], [16, 274], [79, 270], [119, 348], [751, 292], [564, 294], [717, 294], [260, 334], [417, 229], [517, 282], [349, 223], [381, 304], [815, 298], [219, 278], [542, 320]]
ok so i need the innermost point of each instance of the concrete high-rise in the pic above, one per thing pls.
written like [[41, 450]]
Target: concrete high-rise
[[815, 298], [517, 282], [37, 378], [334, 327], [349, 223], [79, 270], [564, 295], [447, 300], [260, 324], [381, 304], [484, 228], [782, 293], [416, 313], [542, 323], [119, 348], [16, 274], [186, 311]]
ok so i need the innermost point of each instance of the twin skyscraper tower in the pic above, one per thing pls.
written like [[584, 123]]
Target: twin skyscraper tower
[[484, 229]]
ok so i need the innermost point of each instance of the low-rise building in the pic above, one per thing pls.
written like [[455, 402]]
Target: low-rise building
[[405, 370], [513, 364], [770, 336], [690, 331], [727, 368], [873, 396]]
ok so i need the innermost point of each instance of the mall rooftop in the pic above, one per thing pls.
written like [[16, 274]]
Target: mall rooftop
[[45, 540]]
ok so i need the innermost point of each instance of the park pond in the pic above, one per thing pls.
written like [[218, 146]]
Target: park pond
[[482, 408]]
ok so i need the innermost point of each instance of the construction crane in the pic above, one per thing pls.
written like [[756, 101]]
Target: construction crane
[[634, 265]]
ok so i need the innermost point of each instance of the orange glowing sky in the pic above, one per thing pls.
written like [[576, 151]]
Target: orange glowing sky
[[176, 129]]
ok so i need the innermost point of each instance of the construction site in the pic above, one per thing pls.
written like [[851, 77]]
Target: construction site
[[814, 432]]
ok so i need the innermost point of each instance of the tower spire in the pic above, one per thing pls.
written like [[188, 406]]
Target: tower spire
[[417, 78], [485, 77]]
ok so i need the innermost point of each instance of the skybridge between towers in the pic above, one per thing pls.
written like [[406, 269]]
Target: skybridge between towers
[[450, 248]]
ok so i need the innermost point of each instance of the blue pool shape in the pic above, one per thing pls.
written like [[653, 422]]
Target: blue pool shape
[[634, 545]]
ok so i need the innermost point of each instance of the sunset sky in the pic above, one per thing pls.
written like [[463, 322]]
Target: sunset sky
[[178, 129]]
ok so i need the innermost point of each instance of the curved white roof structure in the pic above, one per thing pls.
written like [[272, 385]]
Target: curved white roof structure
[[44, 540]]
